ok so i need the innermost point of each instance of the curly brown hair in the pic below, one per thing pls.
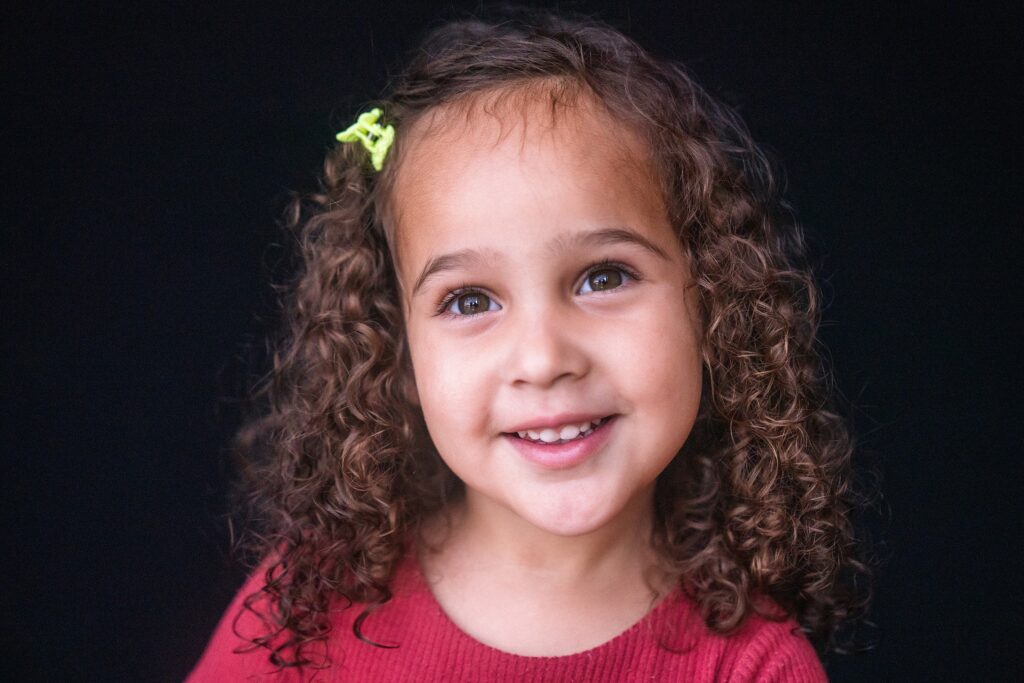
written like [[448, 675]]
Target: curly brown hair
[[339, 471]]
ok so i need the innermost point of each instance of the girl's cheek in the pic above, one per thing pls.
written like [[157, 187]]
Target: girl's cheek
[[454, 376]]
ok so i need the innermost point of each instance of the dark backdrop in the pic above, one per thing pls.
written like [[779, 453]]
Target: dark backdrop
[[150, 152]]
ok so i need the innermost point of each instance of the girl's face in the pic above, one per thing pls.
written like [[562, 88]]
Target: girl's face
[[544, 290]]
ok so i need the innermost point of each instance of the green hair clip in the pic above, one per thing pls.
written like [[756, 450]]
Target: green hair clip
[[376, 138]]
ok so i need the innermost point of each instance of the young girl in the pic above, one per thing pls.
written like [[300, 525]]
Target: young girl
[[548, 405]]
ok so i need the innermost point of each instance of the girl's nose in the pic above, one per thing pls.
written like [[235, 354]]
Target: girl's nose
[[545, 348]]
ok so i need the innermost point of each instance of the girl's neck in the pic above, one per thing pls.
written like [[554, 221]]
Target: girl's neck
[[525, 591]]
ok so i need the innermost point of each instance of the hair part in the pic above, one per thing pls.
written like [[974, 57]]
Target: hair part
[[340, 470]]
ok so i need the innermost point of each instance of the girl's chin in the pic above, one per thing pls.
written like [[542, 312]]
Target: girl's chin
[[567, 518], [609, 500]]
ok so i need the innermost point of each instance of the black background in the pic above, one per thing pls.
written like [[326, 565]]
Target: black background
[[149, 154]]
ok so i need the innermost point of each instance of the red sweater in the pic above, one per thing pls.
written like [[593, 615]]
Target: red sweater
[[432, 648]]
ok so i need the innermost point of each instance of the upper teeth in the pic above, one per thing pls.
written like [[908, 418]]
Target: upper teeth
[[563, 433]]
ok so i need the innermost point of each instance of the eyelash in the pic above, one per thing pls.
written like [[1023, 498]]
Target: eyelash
[[466, 288]]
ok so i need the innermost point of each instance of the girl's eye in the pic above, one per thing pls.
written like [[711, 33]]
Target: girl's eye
[[603, 278], [469, 303]]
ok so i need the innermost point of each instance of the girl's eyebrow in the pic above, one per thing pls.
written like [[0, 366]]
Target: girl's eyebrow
[[605, 236], [464, 258]]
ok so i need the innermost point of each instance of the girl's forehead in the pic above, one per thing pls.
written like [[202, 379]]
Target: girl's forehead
[[575, 139]]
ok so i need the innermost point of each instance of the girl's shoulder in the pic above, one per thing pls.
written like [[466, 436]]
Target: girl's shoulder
[[764, 649], [229, 654]]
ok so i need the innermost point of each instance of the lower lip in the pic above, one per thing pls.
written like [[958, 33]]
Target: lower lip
[[563, 455]]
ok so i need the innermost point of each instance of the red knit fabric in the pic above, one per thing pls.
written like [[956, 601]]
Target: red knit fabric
[[432, 648]]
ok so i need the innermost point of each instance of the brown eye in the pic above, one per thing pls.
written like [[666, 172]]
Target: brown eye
[[474, 302], [606, 278]]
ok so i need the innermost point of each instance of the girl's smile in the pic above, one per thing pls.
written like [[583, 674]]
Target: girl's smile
[[544, 292], [562, 446]]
